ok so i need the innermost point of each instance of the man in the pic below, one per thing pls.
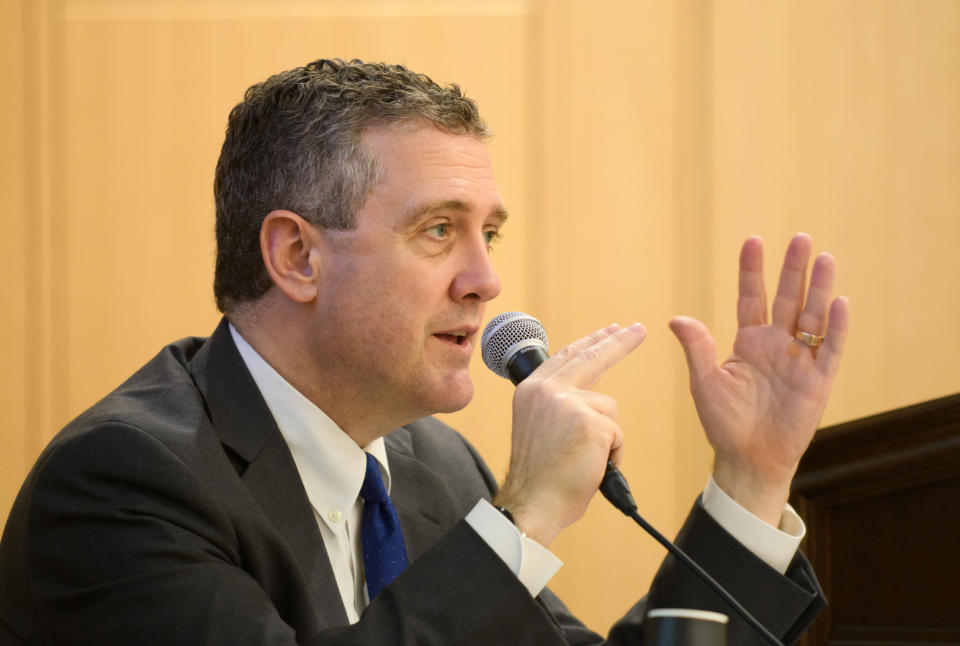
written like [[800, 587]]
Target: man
[[233, 491]]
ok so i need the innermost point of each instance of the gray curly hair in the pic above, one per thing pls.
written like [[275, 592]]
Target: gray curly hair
[[294, 143]]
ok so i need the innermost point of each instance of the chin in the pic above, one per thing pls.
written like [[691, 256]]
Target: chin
[[455, 394]]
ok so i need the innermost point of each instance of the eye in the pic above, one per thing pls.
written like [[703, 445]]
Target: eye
[[440, 230], [491, 236]]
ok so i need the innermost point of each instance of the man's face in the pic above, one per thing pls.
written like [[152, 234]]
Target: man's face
[[402, 295]]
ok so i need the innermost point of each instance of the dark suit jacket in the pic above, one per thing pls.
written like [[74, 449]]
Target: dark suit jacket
[[171, 512]]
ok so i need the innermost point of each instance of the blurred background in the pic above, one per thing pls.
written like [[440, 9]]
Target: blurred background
[[636, 144]]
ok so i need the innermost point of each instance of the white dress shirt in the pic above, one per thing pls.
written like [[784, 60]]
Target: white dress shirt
[[332, 468]]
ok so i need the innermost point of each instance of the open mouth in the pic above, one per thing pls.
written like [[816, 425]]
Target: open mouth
[[458, 339]]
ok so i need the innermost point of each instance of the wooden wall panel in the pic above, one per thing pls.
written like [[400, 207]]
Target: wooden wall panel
[[840, 119], [879, 495], [610, 160], [16, 442]]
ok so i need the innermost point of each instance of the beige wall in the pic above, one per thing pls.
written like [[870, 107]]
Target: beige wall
[[637, 144]]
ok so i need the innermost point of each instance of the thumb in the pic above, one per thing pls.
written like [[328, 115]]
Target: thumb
[[698, 345]]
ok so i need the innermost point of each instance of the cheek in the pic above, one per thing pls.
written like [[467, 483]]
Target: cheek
[[387, 302], [385, 320]]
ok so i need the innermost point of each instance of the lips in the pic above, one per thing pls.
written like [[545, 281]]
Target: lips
[[458, 336], [458, 339]]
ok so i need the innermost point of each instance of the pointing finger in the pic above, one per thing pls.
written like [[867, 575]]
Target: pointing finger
[[568, 352], [585, 368]]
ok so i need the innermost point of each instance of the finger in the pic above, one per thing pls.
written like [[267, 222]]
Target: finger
[[698, 346], [789, 299], [596, 415], [610, 433], [586, 367], [813, 318], [603, 404], [616, 456], [568, 352], [828, 354], [752, 299], [616, 445]]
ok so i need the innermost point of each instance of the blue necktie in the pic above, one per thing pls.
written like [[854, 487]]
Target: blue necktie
[[384, 552]]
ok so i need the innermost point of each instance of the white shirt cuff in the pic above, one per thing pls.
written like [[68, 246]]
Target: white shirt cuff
[[775, 546], [533, 564]]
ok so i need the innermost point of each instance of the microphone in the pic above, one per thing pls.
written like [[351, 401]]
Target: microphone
[[513, 344]]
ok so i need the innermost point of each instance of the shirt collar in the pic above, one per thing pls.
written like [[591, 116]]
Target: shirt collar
[[332, 466]]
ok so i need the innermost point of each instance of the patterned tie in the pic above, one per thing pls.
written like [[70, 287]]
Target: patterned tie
[[384, 552]]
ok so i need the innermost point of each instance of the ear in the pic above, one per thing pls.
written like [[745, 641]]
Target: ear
[[289, 255]]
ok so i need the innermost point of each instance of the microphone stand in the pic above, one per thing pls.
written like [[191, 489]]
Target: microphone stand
[[614, 488]]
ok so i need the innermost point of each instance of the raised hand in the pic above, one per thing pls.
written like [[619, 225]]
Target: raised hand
[[761, 406], [563, 434]]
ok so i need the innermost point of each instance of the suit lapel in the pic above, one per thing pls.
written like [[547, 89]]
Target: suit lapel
[[420, 496], [246, 428]]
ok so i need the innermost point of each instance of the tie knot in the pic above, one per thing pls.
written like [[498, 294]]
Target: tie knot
[[373, 489]]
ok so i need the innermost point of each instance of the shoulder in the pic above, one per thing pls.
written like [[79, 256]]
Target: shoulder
[[152, 429], [148, 448], [432, 441], [445, 452], [159, 400], [429, 435]]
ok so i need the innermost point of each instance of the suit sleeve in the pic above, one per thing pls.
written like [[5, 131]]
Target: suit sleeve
[[785, 604]]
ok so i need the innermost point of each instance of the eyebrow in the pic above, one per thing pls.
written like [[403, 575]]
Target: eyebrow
[[418, 213]]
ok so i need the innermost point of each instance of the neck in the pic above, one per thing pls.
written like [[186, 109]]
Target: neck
[[278, 336]]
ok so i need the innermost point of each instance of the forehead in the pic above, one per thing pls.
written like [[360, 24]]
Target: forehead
[[420, 164]]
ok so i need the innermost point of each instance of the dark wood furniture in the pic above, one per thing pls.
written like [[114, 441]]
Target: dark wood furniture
[[881, 499]]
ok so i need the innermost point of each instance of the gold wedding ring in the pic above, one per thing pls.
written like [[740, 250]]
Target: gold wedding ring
[[813, 340]]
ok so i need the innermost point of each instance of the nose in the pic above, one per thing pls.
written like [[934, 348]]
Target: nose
[[476, 278]]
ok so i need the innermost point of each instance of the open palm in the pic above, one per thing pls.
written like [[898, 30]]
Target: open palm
[[761, 406]]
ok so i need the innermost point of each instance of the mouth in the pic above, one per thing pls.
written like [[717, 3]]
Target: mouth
[[456, 338], [461, 337]]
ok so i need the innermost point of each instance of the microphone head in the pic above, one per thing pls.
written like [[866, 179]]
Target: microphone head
[[507, 334]]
